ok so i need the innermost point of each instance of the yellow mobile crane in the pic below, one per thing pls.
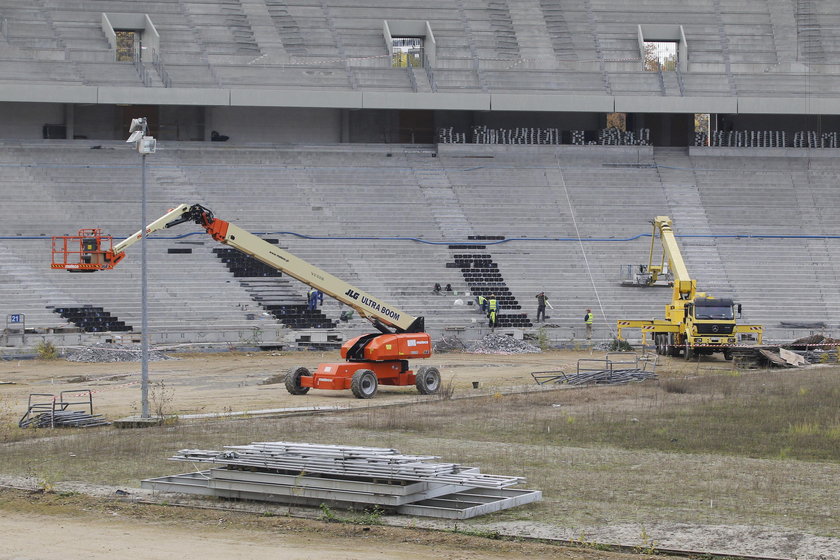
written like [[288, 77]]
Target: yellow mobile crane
[[695, 322]]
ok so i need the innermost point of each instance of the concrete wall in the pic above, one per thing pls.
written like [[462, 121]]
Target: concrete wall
[[98, 122], [25, 121], [276, 125], [373, 126]]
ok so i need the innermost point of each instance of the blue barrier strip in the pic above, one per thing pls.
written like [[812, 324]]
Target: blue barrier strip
[[473, 242]]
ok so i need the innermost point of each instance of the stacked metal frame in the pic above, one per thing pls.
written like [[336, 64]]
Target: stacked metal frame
[[345, 476]]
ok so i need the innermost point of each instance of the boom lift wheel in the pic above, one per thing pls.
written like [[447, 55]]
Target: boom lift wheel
[[364, 384], [428, 380], [293, 381]]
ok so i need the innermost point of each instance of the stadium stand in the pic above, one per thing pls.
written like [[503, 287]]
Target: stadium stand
[[331, 153]]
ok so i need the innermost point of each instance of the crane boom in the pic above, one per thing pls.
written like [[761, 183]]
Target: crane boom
[[684, 286], [383, 316], [371, 358], [375, 310]]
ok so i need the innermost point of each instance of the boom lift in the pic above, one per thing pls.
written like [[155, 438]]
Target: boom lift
[[371, 359], [695, 322]]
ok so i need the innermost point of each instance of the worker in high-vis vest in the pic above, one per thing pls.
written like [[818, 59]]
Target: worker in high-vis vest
[[482, 304], [492, 310], [587, 320]]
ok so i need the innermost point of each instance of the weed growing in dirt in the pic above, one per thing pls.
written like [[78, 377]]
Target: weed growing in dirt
[[620, 346], [161, 398], [447, 390], [46, 350], [482, 533], [368, 516], [584, 542], [648, 545]]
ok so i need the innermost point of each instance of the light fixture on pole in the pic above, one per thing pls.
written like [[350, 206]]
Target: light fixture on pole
[[144, 145]]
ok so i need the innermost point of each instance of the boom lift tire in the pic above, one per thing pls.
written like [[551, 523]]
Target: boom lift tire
[[364, 384], [293, 381], [428, 380]]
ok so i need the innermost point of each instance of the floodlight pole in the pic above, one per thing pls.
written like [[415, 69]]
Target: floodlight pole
[[137, 131], [144, 321]]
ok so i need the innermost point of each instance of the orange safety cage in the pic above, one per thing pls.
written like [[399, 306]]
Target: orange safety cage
[[83, 252]]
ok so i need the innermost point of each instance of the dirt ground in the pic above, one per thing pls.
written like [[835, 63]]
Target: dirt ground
[[80, 527], [209, 383], [228, 383]]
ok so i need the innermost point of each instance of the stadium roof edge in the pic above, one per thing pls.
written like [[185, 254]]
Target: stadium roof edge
[[261, 97]]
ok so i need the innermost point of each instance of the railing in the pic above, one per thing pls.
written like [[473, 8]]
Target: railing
[[157, 63], [412, 78], [680, 81], [430, 74], [142, 71]]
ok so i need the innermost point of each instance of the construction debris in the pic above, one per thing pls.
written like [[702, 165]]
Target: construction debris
[[602, 377], [449, 344], [345, 476], [814, 341], [494, 343], [110, 353], [64, 419], [46, 410]]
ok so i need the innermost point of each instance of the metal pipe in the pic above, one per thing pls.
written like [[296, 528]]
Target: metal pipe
[[144, 335]]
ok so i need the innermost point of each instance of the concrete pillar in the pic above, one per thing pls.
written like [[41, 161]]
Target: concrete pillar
[[69, 120], [344, 132], [208, 123]]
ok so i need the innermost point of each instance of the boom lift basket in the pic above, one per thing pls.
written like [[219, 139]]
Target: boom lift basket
[[84, 252]]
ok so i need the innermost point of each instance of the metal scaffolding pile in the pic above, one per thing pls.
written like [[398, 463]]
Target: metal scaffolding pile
[[345, 476], [63, 419]]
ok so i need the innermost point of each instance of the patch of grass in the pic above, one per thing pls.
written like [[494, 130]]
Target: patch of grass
[[599, 454], [368, 516], [620, 346], [761, 415], [46, 350]]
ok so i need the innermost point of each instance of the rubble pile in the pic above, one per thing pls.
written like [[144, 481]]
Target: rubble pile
[[500, 344], [815, 340], [449, 344], [109, 353], [817, 349]]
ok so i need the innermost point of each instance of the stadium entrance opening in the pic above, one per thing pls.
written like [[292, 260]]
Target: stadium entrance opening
[[406, 52], [660, 55], [128, 45]]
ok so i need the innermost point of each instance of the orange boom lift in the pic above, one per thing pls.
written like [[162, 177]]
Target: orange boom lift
[[371, 359]]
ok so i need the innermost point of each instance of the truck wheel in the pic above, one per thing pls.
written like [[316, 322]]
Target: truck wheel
[[688, 353], [364, 384], [427, 380], [727, 354], [660, 344], [293, 381], [673, 350]]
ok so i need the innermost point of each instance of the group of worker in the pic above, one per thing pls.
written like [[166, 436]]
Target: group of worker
[[490, 307], [314, 298], [542, 302]]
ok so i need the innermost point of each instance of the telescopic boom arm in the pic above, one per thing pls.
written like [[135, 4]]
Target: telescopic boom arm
[[383, 316], [684, 287]]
